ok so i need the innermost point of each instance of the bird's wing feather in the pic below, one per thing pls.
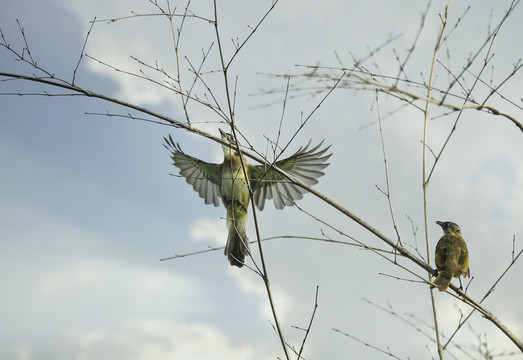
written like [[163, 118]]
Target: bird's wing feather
[[464, 261], [441, 254], [203, 176], [304, 165]]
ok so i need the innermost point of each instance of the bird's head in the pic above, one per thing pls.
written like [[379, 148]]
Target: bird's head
[[229, 139], [449, 227]]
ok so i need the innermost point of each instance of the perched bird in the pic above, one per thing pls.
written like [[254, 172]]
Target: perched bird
[[452, 256], [230, 182]]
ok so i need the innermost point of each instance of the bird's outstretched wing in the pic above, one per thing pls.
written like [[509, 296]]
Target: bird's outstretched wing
[[304, 165], [203, 176]]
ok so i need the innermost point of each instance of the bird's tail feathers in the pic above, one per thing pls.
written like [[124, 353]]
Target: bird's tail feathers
[[237, 242], [443, 281]]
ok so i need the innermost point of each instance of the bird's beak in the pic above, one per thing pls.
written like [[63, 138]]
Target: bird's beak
[[440, 223]]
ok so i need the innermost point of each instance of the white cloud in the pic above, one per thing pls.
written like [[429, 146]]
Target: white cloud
[[109, 291], [158, 339], [133, 42], [205, 229]]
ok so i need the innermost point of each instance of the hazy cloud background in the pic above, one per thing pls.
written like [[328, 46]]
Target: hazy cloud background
[[88, 206]]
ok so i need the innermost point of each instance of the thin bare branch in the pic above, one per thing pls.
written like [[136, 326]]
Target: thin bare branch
[[83, 50], [402, 65], [386, 352], [387, 184], [308, 329], [488, 40], [425, 178]]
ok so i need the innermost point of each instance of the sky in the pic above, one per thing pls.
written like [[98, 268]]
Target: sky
[[89, 205]]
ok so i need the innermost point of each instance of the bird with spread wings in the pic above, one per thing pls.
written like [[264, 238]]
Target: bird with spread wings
[[230, 181]]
